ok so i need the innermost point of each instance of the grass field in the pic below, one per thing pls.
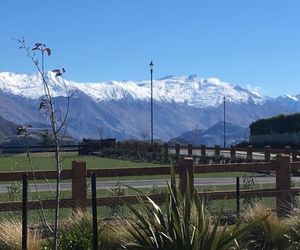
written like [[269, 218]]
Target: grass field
[[127, 191], [45, 161], [104, 211]]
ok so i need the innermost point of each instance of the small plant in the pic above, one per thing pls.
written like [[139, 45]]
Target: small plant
[[208, 202], [117, 191], [14, 189], [77, 234], [155, 190], [249, 184]]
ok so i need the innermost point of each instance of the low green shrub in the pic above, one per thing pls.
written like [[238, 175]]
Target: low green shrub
[[76, 233], [185, 224]]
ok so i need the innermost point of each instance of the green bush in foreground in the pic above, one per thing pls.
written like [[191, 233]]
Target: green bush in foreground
[[77, 233], [186, 224]]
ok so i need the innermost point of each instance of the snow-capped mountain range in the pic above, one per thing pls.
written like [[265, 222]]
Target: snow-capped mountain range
[[190, 90], [180, 104]]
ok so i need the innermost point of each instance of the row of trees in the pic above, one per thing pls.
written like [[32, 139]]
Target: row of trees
[[276, 125]]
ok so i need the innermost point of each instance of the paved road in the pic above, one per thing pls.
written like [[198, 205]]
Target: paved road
[[151, 183]]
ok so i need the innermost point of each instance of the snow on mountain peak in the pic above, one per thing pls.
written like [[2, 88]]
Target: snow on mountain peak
[[190, 90], [294, 98], [31, 86]]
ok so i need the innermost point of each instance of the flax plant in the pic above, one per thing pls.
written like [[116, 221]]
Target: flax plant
[[185, 224]]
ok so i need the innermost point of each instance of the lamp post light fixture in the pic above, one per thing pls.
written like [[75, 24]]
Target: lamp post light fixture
[[224, 132], [151, 74]]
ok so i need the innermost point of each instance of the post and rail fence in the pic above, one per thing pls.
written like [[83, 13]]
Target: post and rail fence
[[79, 173], [160, 152], [164, 152]]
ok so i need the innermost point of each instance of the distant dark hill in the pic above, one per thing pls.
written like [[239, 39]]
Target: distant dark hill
[[213, 135], [33, 139], [9, 137], [7, 128]]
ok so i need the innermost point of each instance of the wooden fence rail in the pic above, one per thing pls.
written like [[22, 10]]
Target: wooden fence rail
[[162, 151], [165, 151], [79, 172]]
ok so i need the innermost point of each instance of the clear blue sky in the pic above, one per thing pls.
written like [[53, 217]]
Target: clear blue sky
[[248, 42]]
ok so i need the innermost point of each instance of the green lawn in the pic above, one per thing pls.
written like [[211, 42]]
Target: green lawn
[[128, 191], [45, 161], [227, 204]]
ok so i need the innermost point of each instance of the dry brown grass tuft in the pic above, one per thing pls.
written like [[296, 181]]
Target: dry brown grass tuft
[[11, 236], [270, 234]]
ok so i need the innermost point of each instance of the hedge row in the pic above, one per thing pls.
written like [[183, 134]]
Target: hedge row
[[276, 125]]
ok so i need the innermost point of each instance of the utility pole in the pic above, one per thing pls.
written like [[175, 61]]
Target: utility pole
[[224, 134], [151, 74]]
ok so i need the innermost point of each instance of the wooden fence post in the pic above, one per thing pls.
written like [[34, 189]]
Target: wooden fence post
[[177, 150], [166, 152], [233, 153], [283, 185], [190, 149], [217, 152], [294, 155], [127, 149], [145, 150], [203, 151], [155, 149], [250, 153], [79, 184], [186, 166], [118, 150], [136, 149], [287, 150], [267, 153]]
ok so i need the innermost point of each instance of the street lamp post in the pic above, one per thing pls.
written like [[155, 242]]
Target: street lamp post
[[224, 132], [151, 74]]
